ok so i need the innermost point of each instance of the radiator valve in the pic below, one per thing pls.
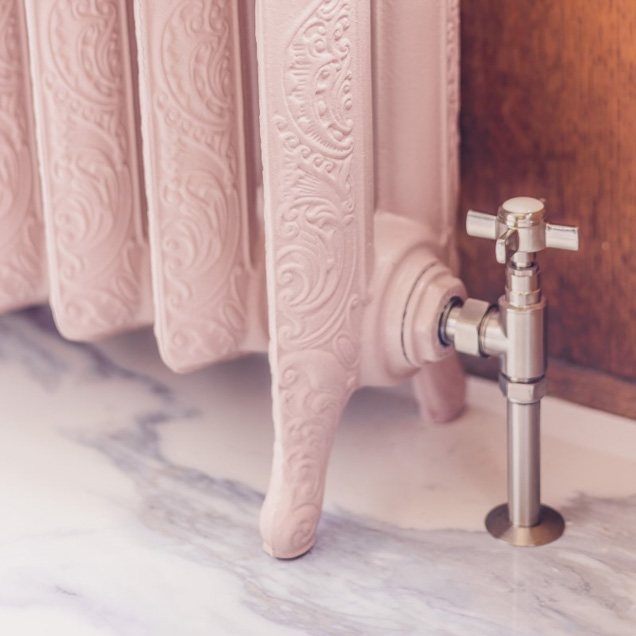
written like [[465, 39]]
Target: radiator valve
[[514, 330]]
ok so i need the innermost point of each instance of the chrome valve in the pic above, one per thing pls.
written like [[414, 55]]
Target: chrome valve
[[514, 330]]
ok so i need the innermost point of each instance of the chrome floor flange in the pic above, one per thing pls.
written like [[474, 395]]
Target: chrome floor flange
[[515, 331], [549, 528]]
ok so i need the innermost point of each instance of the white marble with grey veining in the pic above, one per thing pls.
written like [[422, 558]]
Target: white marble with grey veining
[[130, 499]]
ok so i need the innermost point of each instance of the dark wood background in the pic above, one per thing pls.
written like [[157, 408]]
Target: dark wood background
[[549, 110]]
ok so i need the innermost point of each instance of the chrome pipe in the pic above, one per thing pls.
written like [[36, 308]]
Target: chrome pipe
[[524, 464]]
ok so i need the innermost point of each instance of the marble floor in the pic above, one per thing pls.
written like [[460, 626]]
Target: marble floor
[[130, 500]]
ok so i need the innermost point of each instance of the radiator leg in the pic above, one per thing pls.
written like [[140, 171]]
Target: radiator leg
[[309, 397], [440, 390]]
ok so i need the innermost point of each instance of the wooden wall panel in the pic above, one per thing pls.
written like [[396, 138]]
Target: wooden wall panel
[[549, 110]]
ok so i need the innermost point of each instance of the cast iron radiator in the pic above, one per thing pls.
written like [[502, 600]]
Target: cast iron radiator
[[279, 177]]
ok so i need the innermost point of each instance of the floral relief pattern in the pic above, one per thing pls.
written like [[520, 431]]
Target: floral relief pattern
[[318, 251], [195, 159], [91, 182], [22, 270]]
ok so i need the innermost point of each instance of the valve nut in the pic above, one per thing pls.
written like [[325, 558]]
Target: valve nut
[[523, 392], [468, 325]]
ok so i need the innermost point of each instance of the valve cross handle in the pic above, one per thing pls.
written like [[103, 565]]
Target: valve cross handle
[[520, 227]]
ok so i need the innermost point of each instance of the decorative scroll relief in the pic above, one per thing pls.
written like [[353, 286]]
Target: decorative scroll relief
[[22, 258], [82, 75], [318, 211], [319, 250], [192, 117]]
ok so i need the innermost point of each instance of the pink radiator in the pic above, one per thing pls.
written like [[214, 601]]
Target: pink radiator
[[277, 177]]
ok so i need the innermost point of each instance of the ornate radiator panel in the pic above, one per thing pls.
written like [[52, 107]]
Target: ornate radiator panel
[[82, 73], [194, 132], [316, 131], [23, 277]]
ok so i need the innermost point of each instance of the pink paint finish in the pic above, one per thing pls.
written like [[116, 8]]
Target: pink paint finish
[[358, 269], [82, 74], [335, 321], [23, 277], [315, 90], [440, 389], [416, 105], [408, 291], [198, 173]]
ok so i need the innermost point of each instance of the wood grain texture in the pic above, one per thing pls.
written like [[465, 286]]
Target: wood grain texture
[[549, 110]]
